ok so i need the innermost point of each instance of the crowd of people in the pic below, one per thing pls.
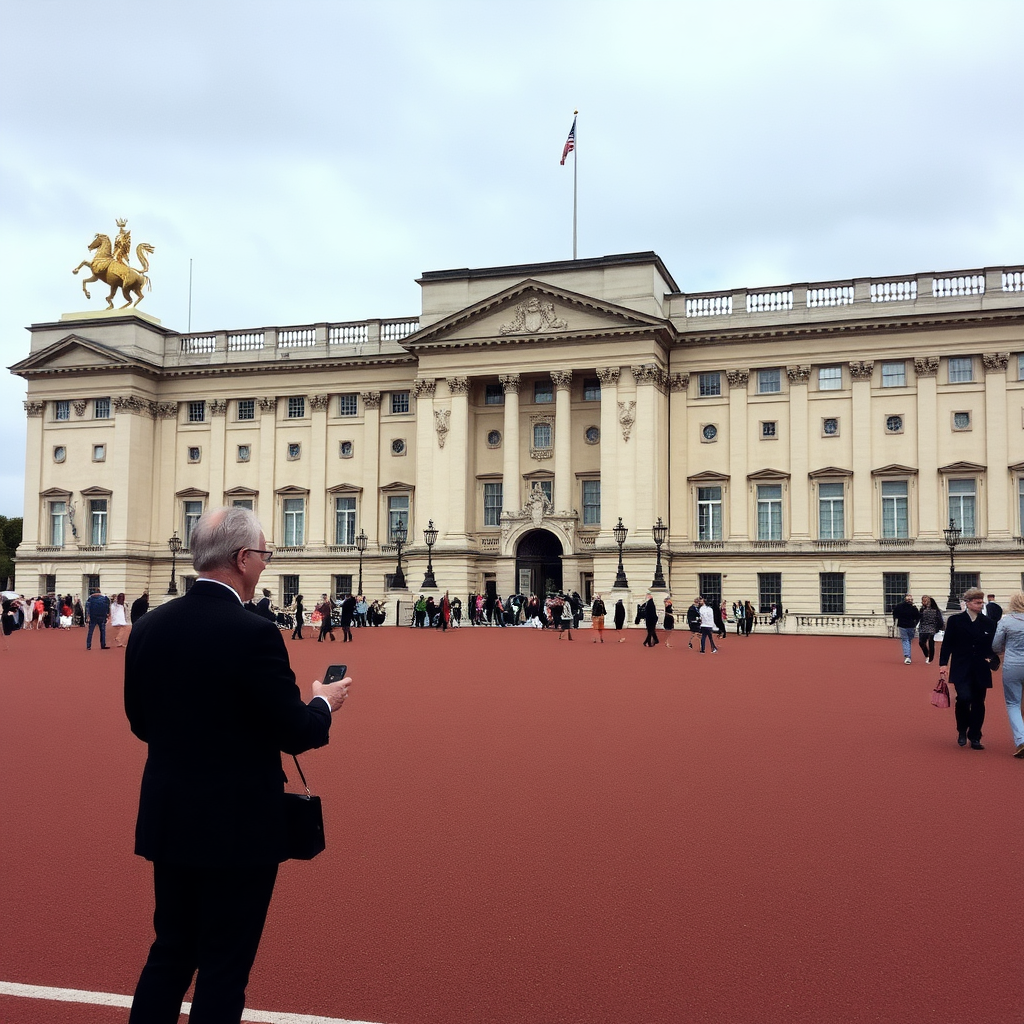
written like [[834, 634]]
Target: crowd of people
[[65, 611]]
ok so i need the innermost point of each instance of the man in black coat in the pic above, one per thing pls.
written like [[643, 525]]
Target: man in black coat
[[991, 609], [139, 607], [968, 642], [208, 687], [649, 613]]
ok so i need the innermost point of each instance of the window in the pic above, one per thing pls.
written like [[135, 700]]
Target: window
[[894, 375], [894, 424], [346, 449], [99, 453], [830, 426], [830, 512], [709, 513], [961, 370], [769, 591], [289, 589], [833, 593], [542, 435], [194, 453], [242, 503], [769, 511], [493, 438], [830, 378], [294, 522], [708, 433], [895, 587], [62, 410], [92, 582], [247, 408], [710, 584], [591, 502], [348, 405], [494, 394], [60, 453], [1020, 510], [546, 488], [964, 581], [591, 389], [192, 510], [492, 504], [398, 513], [543, 392], [244, 452], [769, 382], [769, 429], [398, 446], [294, 450], [709, 384], [58, 510], [961, 421], [197, 412], [101, 409], [592, 435], [342, 585], [399, 402], [1020, 367], [345, 520], [895, 509], [962, 496], [296, 407], [98, 521]]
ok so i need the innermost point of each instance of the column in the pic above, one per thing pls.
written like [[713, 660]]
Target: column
[[739, 500], [268, 462], [931, 518], [316, 533], [132, 506], [677, 439], [458, 438], [217, 454], [863, 484], [430, 423], [799, 429], [369, 511], [563, 492], [648, 444], [996, 452], [167, 518], [613, 494], [34, 454], [511, 499]]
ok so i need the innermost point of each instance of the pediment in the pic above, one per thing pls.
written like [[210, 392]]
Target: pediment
[[709, 476], [344, 488], [894, 469], [534, 312], [962, 467], [73, 353], [828, 471], [768, 474]]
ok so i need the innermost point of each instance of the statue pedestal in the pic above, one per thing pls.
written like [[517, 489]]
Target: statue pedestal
[[106, 314]]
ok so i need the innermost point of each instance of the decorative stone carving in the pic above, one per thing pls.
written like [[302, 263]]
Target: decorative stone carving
[[798, 374], [648, 373], [562, 379], [163, 410], [737, 378], [995, 362], [536, 510], [534, 316], [267, 404], [131, 403], [34, 408], [510, 382], [319, 401], [627, 417], [458, 385], [442, 418], [218, 407], [608, 376], [926, 366], [371, 399], [862, 370], [79, 405], [424, 387], [679, 382]]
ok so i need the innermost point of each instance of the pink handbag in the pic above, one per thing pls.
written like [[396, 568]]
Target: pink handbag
[[940, 695]]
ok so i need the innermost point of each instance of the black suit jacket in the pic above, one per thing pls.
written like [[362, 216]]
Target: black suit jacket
[[650, 614], [969, 644], [208, 687], [993, 611]]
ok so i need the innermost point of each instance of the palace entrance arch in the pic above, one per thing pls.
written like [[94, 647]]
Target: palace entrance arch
[[539, 563]]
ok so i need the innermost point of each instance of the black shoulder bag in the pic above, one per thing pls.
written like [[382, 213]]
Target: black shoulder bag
[[304, 820]]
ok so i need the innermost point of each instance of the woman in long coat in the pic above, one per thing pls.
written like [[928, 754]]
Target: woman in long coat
[[620, 614]]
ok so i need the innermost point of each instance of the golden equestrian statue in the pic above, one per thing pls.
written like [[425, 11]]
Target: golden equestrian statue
[[110, 265]]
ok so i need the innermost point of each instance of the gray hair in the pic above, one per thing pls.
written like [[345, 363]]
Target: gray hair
[[220, 533]]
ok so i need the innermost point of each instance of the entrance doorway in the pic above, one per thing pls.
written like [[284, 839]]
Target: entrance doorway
[[539, 564]]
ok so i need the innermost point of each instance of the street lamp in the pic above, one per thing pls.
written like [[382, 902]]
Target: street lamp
[[619, 532], [361, 547], [658, 532], [398, 534], [430, 536], [952, 534], [174, 546]]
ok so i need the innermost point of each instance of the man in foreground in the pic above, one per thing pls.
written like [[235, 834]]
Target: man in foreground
[[968, 642], [208, 687]]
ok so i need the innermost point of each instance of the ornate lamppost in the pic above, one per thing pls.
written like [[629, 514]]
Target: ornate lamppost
[[430, 537], [361, 547], [619, 532], [174, 546], [399, 535], [659, 531], [952, 534]]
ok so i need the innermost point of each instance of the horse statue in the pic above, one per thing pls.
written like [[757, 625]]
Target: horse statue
[[106, 267]]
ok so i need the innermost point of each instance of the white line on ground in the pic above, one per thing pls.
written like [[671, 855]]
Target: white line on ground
[[75, 995]]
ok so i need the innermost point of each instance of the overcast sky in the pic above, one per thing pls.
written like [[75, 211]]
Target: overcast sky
[[312, 159]]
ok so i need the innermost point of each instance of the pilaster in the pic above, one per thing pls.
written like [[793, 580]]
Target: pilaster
[[431, 436], [931, 519], [997, 478], [562, 380], [611, 445], [458, 461], [862, 484], [316, 534], [370, 514], [799, 512], [739, 499], [34, 454], [511, 499]]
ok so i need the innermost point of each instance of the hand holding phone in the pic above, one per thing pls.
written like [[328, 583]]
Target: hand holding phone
[[335, 673], [331, 689]]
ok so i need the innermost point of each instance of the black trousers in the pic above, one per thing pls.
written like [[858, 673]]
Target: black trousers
[[970, 709], [207, 920], [652, 636]]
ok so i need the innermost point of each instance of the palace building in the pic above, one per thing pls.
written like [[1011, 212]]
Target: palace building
[[806, 445]]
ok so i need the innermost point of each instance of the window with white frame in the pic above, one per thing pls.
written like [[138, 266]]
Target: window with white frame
[[101, 409], [296, 407], [1020, 367], [894, 375], [492, 503], [769, 382], [345, 519], [98, 521], [246, 408], [398, 513], [58, 510], [197, 412], [242, 503], [961, 370], [833, 592], [543, 392], [62, 410], [769, 430], [191, 511], [494, 394], [831, 525], [830, 378], [542, 435], [709, 385], [591, 389], [769, 511], [591, 502], [709, 513], [99, 453], [895, 509], [289, 589], [962, 505], [399, 402], [348, 405], [294, 510]]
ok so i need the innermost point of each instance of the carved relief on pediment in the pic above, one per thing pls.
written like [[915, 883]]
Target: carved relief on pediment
[[534, 316]]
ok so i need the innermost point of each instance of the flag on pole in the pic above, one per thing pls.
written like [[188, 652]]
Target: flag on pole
[[570, 143]]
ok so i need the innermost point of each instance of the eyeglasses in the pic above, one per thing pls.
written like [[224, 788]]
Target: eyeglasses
[[265, 555]]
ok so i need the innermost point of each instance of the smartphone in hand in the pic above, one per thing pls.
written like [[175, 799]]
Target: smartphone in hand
[[335, 673]]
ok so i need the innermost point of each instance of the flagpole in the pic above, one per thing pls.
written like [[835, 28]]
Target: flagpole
[[575, 165]]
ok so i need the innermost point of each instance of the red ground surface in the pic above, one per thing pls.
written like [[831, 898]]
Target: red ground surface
[[522, 829]]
